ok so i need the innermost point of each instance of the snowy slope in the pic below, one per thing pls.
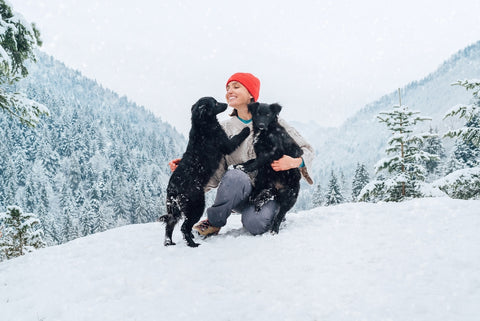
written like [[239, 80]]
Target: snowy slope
[[416, 260]]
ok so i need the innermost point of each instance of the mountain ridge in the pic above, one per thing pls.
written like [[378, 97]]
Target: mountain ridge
[[362, 139]]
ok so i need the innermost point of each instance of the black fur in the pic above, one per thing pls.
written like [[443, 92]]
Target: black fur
[[271, 142], [207, 143]]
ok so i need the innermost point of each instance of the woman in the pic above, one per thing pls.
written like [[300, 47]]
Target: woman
[[234, 185]]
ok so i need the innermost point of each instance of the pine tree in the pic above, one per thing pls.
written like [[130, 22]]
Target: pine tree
[[467, 146], [471, 113], [87, 217], [466, 154], [318, 198], [69, 230], [333, 195], [360, 180], [463, 179], [343, 183], [19, 233], [18, 42], [405, 162], [433, 145]]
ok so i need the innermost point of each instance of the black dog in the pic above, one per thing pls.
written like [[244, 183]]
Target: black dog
[[271, 142], [207, 143]]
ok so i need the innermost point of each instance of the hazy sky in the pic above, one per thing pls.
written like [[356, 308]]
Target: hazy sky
[[322, 60]]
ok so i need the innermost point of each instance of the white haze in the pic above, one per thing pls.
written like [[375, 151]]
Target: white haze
[[323, 60]]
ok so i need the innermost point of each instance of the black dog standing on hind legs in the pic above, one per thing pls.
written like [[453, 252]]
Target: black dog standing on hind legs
[[271, 142], [207, 143]]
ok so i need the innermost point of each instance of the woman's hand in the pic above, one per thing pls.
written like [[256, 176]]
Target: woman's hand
[[286, 163], [174, 164]]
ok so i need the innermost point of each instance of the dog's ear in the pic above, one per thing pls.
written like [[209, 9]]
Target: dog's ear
[[210, 102], [199, 110], [253, 107], [275, 108]]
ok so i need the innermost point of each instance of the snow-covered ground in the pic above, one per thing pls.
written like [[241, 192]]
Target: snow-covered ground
[[416, 260]]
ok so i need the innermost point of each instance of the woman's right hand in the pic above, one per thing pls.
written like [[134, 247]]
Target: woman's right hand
[[174, 164]]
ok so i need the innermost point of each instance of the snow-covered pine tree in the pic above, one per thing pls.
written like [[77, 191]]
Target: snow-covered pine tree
[[433, 145], [19, 233], [466, 154], [360, 180], [404, 164], [333, 195], [69, 230], [463, 179], [471, 113], [317, 198], [452, 165], [344, 188], [18, 41], [467, 146]]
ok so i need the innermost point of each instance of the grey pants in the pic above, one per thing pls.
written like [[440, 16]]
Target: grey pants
[[232, 194]]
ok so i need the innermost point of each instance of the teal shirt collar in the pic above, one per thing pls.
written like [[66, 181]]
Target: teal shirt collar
[[244, 121]]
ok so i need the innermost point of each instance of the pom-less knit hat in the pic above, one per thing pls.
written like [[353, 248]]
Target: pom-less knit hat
[[249, 81]]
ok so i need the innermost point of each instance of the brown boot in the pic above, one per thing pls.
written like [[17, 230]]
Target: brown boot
[[204, 228]]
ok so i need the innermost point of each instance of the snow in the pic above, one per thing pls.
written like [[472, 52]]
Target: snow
[[415, 260], [461, 175]]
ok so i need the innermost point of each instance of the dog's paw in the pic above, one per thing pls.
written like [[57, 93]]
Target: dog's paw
[[245, 132], [275, 228], [259, 204], [168, 242], [192, 244], [240, 167]]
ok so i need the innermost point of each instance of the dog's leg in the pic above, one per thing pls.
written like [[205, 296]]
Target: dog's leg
[[170, 219], [170, 222], [194, 214], [229, 145], [277, 220], [187, 232], [286, 198]]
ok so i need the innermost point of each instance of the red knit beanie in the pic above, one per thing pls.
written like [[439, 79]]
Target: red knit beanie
[[249, 81]]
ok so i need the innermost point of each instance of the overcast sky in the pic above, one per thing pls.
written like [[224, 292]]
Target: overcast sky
[[322, 60]]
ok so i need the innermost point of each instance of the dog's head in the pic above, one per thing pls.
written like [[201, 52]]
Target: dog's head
[[264, 114], [206, 108]]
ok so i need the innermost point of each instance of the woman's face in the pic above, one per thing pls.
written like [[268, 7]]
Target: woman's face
[[237, 95]]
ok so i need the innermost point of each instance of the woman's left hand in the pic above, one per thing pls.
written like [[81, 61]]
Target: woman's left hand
[[286, 163]]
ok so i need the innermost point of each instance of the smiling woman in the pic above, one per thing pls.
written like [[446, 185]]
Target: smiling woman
[[235, 185], [242, 89]]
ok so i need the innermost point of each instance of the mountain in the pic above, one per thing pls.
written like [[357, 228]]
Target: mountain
[[363, 139], [415, 260], [97, 162]]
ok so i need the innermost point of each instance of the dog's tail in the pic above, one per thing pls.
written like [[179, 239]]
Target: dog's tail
[[164, 218]]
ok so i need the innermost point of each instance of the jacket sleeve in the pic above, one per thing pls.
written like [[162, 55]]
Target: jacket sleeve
[[308, 152]]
